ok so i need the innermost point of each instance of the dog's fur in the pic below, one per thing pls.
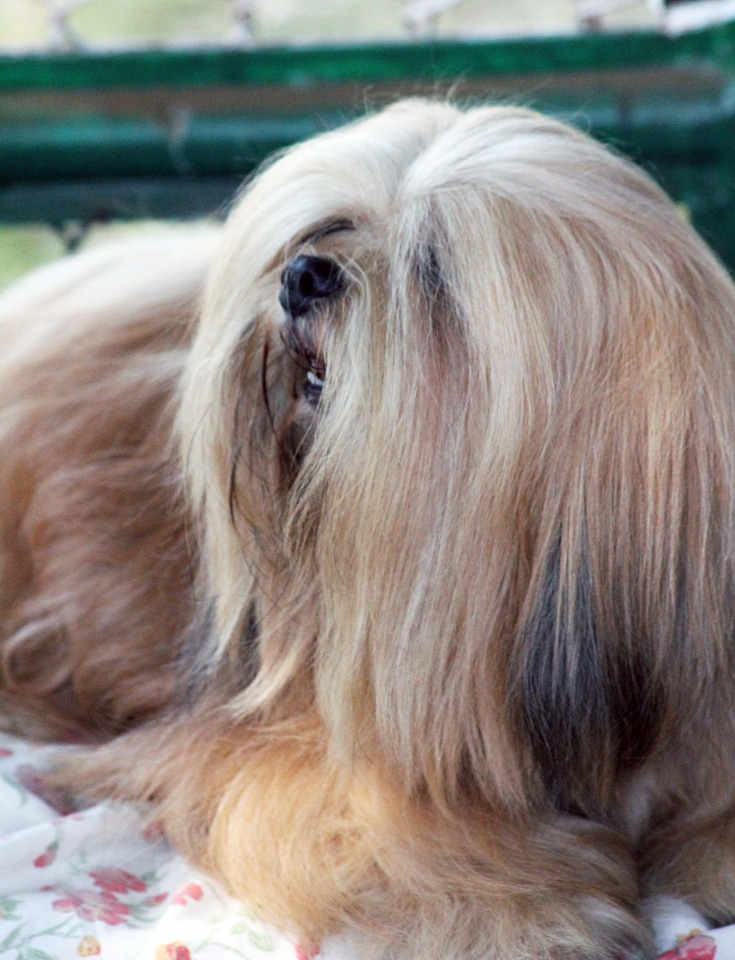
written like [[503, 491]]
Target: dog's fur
[[454, 633]]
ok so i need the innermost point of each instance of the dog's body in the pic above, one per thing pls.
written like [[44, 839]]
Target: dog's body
[[449, 586], [96, 571]]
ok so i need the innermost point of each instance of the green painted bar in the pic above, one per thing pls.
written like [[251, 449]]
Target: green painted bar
[[122, 198], [170, 132], [103, 147], [364, 63]]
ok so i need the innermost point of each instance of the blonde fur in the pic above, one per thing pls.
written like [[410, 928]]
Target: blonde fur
[[455, 642]]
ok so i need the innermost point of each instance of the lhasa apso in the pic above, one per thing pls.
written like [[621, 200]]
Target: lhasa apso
[[388, 538]]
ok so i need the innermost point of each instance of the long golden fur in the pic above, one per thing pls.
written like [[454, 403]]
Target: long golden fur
[[416, 596]]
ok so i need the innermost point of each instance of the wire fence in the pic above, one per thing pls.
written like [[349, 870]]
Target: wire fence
[[77, 24]]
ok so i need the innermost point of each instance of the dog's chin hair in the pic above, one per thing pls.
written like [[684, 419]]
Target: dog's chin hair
[[441, 554]]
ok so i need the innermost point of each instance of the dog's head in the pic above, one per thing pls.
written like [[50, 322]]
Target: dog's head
[[459, 420]]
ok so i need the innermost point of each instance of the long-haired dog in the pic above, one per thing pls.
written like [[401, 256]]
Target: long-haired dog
[[396, 527]]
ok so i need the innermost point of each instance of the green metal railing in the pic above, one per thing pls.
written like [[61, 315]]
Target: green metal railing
[[171, 133]]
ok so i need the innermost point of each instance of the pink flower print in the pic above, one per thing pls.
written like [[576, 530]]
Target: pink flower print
[[306, 953], [93, 905], [5, 753], [33, 780], [697, 946], [89, 947], [115, 880], [192, 891], [157, 900], [172, 951], [153, 832], [48, 856]]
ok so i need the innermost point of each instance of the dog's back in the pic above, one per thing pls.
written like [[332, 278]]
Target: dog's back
[[95, 578]]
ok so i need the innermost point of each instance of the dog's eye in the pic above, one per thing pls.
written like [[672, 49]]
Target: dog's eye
[[305, 281], [313, 387]]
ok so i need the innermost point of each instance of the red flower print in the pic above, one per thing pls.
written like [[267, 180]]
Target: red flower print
[[33, 780], [155, 901], [89, 947], [115, 880], [153, 832], [698, 946], [172, 951], [192, 891], [306, 953], [48, 856], [93, 905]]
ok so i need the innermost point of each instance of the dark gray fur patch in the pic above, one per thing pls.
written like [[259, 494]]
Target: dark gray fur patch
[[194, 666], [436, 298], [589, 709], [430, 276], [199, 675]]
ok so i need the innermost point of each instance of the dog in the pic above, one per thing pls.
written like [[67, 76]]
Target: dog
[[383, 541]]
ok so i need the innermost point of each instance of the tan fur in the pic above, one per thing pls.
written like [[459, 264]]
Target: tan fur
[[94, 565], [455, 643]]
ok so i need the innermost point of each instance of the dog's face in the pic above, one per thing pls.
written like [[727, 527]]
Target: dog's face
[[439, 414]]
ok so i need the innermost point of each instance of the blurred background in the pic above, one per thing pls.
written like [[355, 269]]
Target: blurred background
[[24, 23], [29, 25]]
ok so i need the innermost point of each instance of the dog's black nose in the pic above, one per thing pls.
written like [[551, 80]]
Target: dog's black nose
[[307, 279]]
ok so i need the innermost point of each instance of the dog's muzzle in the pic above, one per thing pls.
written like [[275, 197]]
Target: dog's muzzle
[[306, 280]]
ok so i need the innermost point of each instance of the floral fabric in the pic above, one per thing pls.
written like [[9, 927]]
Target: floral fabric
[[94, 883]]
